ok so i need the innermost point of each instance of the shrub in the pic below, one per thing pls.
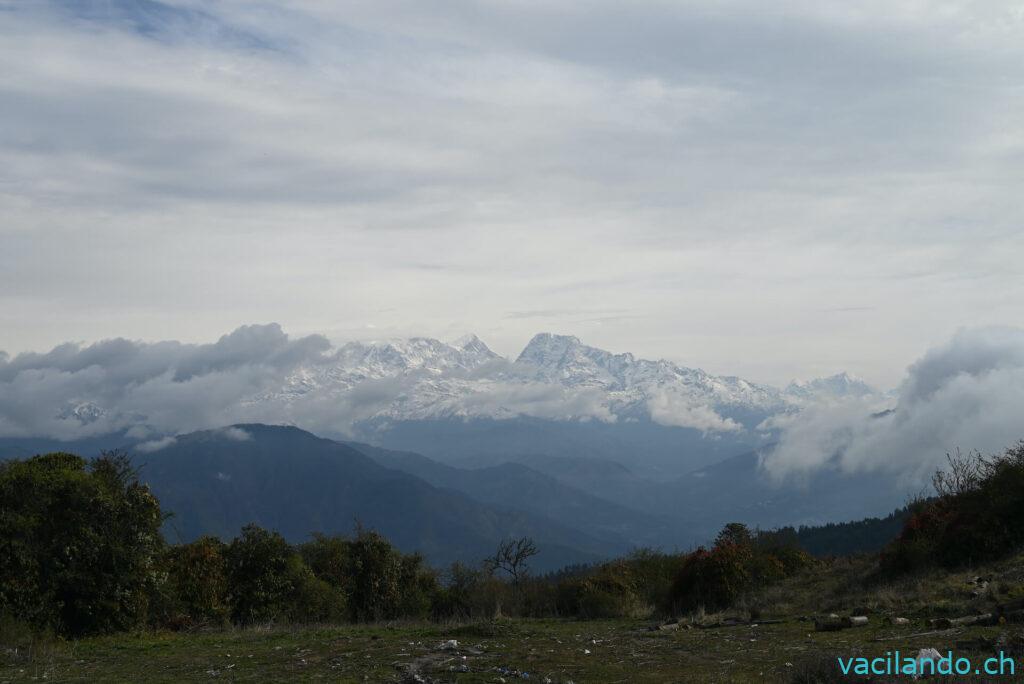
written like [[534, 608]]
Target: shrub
[[711, 579], [312, 599], [261, 575], [196, 585], [738, 562], [975, 517], [79, 543], [469, 593]]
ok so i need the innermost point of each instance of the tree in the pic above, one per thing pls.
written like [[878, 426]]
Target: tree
[[197, 582], [79, 540], [511, 558], [734, 533], [259, 577]]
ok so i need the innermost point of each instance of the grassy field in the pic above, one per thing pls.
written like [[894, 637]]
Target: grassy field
[[782, 646]]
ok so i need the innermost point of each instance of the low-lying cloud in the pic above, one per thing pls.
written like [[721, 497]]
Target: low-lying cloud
[[152, 390], [76, 391], [966, 394], [671, 409]]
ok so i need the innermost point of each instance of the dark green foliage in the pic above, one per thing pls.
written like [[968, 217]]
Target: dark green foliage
[[609, 592], [312, 599], [329, 558], [261, 575], [711, 579], [196, 587], [470, 593], [976, 516], [622, 588], [78, 543], [870, 535], [738, 562], [374, 580], [383, 584]]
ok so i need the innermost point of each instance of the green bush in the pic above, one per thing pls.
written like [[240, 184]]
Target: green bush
[[196, 584], [373, 580], [312, 599], [976, 516], [712, 580], [80, 541], [261, 575], [469, 593], [738, 563]]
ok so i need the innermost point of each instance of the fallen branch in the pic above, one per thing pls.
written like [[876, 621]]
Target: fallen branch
[[903, 637]]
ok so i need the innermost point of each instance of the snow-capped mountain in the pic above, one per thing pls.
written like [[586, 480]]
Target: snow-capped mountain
[[565, 360], [555, 376], [377, 360], [839, 386]]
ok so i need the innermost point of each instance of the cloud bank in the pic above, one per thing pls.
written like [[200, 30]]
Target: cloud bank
[[152, 389], [80, 390], [967, 394]]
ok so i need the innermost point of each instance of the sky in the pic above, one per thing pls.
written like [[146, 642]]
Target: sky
[[772, 190]]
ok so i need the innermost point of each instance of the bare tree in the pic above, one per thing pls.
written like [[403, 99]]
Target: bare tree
[[965, 474], [511, 558]]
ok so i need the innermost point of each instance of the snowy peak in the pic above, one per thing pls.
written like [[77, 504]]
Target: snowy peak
[[555, 376], [564, 359], [838, 386], [394, 357], [474, 349]]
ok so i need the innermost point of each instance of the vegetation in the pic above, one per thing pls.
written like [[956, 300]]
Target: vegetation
[[82, 557], [869, 535], [79, 541], [975, 517]]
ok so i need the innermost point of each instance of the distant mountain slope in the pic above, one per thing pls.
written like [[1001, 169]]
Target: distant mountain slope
[[289, 480], [739, 489], [647, 448], [869, 535], [516, 486]]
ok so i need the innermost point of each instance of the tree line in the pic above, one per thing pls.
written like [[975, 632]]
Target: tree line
[[81, 552]]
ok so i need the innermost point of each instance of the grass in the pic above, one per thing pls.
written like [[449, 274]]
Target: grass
[[565, 650]]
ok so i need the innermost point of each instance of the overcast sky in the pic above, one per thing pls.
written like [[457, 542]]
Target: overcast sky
[[772, 190]]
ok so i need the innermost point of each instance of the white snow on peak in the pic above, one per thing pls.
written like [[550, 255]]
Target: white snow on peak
[[555, 376], [839, 386]]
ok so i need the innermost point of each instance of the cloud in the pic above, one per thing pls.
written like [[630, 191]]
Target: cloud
[[75, 390], [726, 170], [155, 445], [669, 408], [236, 434], [964, 394]]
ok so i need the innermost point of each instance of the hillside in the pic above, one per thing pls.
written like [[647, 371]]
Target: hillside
[[285, 479], [781, 646], [516, 486]]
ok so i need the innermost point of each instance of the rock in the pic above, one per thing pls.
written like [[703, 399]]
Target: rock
[[899, 621], [832, 623], [925, 655], [858, 620]]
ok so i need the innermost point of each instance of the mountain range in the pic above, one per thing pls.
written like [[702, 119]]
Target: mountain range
[[449, 447], [577, 509], [555, 376], [558, 397]]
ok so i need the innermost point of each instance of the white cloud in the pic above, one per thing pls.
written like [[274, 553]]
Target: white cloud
[[155, 445], [768, 189], [964, 394], [668, 408], [236, 434]]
